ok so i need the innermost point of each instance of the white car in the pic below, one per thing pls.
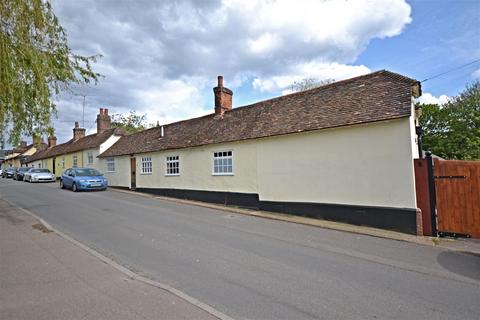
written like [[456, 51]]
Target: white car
[[39, 175]]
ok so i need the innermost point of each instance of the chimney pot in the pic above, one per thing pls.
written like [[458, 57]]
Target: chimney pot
[[223, 98], [78, 132], [104, 121], [52, 141]]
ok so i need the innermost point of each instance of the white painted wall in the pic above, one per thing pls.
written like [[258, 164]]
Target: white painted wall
[[414, 119], [369, 164], [196, 169], [97, 164], [121, 176]]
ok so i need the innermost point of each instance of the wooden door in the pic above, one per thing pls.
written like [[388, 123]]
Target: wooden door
[[133, 173], [457, 190]]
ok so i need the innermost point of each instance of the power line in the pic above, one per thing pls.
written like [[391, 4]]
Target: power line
[[451, 70]]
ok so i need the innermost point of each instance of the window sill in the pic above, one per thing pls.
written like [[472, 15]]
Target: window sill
[[173, 175], [223, 174], [146, 173]]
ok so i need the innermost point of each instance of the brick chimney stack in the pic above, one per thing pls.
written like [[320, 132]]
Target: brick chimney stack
[[52, 141], [104, 121], [223, 98], [78, 132]]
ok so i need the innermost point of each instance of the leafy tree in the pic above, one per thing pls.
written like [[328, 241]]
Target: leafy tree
[[309, 83], [131, 122], [36, 64], [452, 130]]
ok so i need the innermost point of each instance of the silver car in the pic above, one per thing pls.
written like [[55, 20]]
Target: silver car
[[39, 175]]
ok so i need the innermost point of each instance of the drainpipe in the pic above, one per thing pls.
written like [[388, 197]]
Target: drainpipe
[[419, 132]]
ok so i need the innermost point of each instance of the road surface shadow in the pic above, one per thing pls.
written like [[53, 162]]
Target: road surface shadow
[[467, 265]]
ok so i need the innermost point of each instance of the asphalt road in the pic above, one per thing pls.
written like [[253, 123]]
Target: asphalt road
[[253, 268]]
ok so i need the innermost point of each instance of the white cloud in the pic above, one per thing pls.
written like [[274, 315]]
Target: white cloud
[[315, 70], [476, 74], [265, 43], [428, 98], [162, 57], [172, 101]]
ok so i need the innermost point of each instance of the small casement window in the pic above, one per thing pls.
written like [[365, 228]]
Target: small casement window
[[173, 166], [75, 161], [223, 163], [110, 164], [90, 157], [63, 162], [146, 164]]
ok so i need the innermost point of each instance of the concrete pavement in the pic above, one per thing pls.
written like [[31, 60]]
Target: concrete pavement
[[43, 276]]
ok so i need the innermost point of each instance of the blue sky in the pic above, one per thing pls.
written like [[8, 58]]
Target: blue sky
[[161, 58], [443, 34]]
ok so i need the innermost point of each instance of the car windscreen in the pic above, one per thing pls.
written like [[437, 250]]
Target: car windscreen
[[40, 171], [87, 172], [23, 169]]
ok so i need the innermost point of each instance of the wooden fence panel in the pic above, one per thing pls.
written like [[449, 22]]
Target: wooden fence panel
[[458, 197]]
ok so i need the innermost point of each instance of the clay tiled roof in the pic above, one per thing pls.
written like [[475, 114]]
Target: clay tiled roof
[[87, 142], [22, 149], [377, 96]]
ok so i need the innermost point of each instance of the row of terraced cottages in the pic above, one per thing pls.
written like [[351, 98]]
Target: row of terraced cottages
[[343, 151], [80, 151]]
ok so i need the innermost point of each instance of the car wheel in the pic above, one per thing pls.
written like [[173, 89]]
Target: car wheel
[[74, 187], [62, 186]]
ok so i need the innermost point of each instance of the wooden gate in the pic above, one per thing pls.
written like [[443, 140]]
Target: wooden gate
[[457, 193]]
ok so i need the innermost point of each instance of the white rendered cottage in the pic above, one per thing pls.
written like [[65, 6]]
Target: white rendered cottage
[[343, 151]]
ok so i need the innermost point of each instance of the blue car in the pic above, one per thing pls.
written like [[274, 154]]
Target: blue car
[[83, 179]]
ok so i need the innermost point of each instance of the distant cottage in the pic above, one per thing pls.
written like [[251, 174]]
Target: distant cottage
[[343, 151], [81, 150]]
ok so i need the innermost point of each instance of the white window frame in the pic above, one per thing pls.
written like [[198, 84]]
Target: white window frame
[[172, 160], [89, 157], [63, 162], [146, 165], [222, 156], [75, 161], [110, 162]]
